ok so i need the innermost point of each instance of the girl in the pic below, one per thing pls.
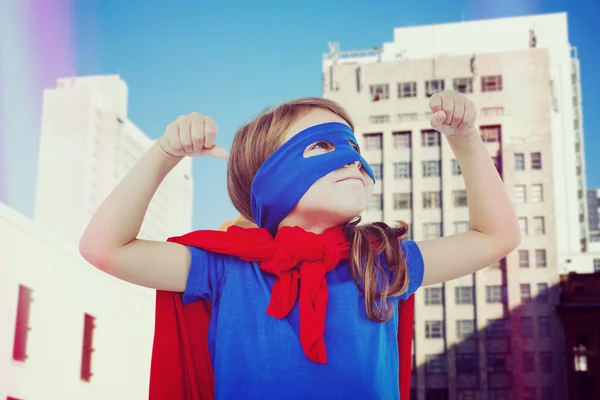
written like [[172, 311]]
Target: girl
[[330, 287]]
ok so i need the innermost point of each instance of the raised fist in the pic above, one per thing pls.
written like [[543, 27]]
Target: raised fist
[[452, 113], [191, 135]]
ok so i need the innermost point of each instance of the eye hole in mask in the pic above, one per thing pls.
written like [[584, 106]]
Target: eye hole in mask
[[324, 147], [318, 148], [355, 146]]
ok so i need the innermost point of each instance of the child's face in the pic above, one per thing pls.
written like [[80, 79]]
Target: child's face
[[338, 196]]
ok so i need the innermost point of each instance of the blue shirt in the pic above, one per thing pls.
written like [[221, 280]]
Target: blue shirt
[[257, 356]]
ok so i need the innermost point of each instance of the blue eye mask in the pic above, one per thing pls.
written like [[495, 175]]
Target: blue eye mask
[[286, 175]]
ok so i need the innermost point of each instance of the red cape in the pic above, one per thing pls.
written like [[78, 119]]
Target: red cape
[[181, 367]]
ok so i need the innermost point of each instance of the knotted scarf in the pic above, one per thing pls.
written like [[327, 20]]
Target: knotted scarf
[[298, 260]]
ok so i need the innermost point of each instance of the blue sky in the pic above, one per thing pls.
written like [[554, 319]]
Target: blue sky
[[230, 60]]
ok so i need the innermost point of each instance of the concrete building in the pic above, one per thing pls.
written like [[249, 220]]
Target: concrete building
[[593, 202], [87, 145], [580, 311], [586, 262], [67, 330], [483, 336]]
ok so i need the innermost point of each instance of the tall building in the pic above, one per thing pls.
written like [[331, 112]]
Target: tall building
[[87, 145], [593, 202], [580, 311], [491, 335], [68, 330]]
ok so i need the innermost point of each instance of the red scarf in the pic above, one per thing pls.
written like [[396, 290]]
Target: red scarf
[[181, 366]]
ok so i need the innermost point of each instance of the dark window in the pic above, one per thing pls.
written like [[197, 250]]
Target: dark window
[[22, 324], [88, 347]]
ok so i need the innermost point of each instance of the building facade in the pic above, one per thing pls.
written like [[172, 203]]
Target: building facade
[[87, 146], [593, 202], [68, 330], [580, 312], [490, 335]]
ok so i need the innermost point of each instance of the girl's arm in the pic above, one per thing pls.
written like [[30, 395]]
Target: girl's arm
[[494, 226], [110, 240]]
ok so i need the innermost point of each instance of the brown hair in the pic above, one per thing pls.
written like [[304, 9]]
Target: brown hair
[[257, 140]]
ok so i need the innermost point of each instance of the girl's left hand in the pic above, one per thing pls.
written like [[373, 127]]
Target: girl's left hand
[[452, 114]]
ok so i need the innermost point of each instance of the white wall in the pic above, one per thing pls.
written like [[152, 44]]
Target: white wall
[[87, 146], [64, 288]]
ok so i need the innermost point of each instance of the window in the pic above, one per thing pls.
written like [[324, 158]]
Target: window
[[465, 328], [463, 85], [525, 293], [380, 92], [402, 201], [379, 119], [580, 358], [523, 225], [520, 194], [519, 162], [537, 193], [88, 347], [430, 138], [467, 363], [536, 160], [527, 327], [498, 328], [497, 362], [432, 230], [492, 111], [405, 117], [22, 324], [464, 294], [434, 296], [461, 226], [543, 326], [432, 199], [539, 227], [375, 203], [540, 258], [431, 168], [460, 198], [546, 361], [402, 140], [433, 86], [542, 293], [596, 265], [523, 258], [402, 170], [528, 361], [407, 89], [492, 83], [373, 141], [495, 294], [435, 363], [434, 329], [377, 171], [455, 168], [490, 134]]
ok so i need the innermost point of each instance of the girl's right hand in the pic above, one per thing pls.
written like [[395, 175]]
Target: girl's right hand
[[191, 135]]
